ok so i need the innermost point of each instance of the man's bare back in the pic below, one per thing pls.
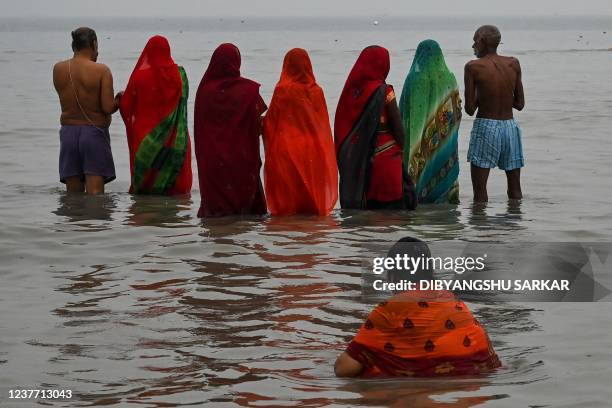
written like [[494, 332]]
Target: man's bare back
[[93, 83], [494, 87]]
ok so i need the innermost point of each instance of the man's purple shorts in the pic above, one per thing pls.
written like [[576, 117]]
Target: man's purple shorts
[[85, 150]]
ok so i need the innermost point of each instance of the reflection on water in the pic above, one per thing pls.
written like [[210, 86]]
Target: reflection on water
[[83, 207], [247, 311], [421, 393], [157, 211], [493, 224]]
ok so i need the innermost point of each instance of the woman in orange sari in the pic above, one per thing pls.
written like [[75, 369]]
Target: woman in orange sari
[[300, 172], [418, 333], [154, 109]]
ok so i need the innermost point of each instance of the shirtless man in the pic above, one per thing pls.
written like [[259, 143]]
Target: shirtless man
[[493, 86], [85, 90]]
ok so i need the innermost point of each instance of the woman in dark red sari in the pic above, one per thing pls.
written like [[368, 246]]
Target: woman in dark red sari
[[154, 109], [228, 111], [368, 135]]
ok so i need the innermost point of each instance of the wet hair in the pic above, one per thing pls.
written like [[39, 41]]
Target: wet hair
[[83, 38], [491, 35], [414, 248]]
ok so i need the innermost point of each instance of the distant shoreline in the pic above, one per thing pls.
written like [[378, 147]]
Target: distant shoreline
[[309, 23]]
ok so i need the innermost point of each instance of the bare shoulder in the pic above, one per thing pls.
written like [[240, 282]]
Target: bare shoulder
[[470, 67], [59, 70], [101, 68], [59, 65], [475, 65], [512, 62], [471, 64], [102, 72]]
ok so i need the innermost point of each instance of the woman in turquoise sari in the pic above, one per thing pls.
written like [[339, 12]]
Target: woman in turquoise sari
[[431, 111]]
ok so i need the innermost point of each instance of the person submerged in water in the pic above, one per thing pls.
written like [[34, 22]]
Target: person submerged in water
[[419, 333], [493, 86], [85, 90]]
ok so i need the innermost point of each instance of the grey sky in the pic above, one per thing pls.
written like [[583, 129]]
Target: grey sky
[[103, 8]]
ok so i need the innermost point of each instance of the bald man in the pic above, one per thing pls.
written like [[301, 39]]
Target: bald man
[[493, 86]]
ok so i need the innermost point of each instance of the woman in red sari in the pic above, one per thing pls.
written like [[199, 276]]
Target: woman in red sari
[[301, 175], [368, 135], [228, 111], [154, 109], [418, 333]]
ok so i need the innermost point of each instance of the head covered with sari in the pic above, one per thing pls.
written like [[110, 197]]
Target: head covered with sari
[[368, 75], [227, 117], [154, 110], [356, 126], [421, 333], [430, 106], [300, 172]]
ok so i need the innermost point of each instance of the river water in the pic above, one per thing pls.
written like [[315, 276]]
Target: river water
[[134, 301]]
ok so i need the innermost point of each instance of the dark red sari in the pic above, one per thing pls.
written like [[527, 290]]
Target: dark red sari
[[227, 117], [372, 174]]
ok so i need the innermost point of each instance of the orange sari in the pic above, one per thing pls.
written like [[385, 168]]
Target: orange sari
[[300, 170], [422, 334]]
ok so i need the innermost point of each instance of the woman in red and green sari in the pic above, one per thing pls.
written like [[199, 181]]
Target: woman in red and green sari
[[154, 109]]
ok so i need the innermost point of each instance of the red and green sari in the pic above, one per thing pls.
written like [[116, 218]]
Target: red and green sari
[[154, 109]]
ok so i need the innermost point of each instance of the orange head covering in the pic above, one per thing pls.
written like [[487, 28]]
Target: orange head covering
[[300, 170], [297, 68]]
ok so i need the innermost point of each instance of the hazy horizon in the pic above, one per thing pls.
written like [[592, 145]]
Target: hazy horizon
[[313, 8]]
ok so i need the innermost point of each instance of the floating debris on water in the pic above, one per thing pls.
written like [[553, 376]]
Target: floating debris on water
[[375, 22]]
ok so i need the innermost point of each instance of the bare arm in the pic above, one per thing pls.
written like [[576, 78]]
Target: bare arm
[[261, 108], [108, 101], [519, 94], [395, 122], [347, 366], [471, 101], [55, 77]]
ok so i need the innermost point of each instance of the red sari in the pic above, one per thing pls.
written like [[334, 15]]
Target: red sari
[[228, 111], [301, 175], [369, 157], [154, 109], [423, 334], [386, 184]]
